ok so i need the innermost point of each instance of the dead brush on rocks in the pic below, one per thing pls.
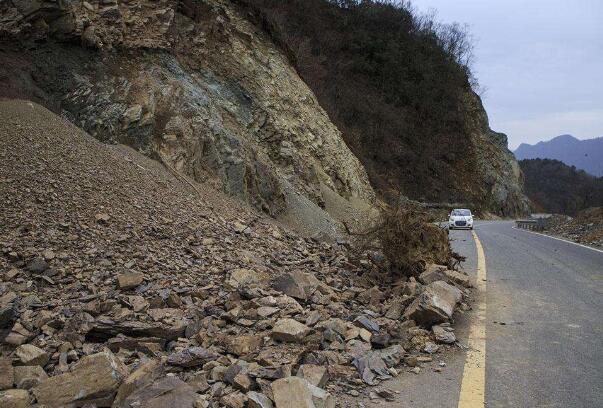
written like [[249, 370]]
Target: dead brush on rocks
[[408, 241]]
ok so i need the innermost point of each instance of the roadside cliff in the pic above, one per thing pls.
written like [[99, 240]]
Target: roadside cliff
[[399, 86], [194, 85]]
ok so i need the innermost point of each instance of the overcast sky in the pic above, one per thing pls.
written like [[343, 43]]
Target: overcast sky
[[541, 62]]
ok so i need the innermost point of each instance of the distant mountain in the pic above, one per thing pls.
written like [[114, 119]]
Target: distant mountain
[[586, 155], [555, 187]]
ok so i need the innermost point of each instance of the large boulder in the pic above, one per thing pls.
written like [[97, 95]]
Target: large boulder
[[295, 392], [14, 399], [435, 305], [93, 380]]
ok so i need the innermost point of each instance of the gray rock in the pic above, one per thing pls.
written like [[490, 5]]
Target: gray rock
[[442, 335], [295, 392], [258, 400], [165, 392], [94, 380], [367, 323], [31, 355], [296, 284], [7, 378], [315, 374], [435, 305], [289, 330], [191, 357], [27, 377]]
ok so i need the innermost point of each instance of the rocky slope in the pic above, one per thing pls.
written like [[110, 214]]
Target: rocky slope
[[398, 86], [192, 84], [586, 227], [125, 284]]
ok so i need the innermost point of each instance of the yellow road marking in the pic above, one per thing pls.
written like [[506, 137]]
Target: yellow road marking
[[473, 387]]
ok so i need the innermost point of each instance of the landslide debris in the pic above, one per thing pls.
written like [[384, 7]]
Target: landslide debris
[[123, 284], [586, 227]]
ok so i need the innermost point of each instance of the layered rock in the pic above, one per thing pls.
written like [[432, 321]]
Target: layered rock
[[192, 84]]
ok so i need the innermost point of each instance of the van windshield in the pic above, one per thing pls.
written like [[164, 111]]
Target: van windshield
[[464, 213]]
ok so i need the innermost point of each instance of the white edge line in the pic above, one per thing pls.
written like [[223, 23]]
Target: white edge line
[[559, 239]]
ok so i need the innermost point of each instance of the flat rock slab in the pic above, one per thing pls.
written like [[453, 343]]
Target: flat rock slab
[[166, 392], [290, 331], [94, 378]]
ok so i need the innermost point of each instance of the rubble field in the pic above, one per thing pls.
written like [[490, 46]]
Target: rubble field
[[123, 284], [585, 228]]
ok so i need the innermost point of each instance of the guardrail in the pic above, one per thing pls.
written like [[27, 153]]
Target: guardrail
[[534, 225]]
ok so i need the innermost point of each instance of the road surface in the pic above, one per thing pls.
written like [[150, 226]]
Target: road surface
[[543, 322]]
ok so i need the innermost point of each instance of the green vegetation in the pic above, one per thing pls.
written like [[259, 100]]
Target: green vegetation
[[555, 187], [394, 82]]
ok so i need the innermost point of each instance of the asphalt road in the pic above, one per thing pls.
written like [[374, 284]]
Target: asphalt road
[[544, 332], [544, 326]]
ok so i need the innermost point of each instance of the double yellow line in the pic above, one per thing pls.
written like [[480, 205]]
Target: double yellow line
[[473, 387]]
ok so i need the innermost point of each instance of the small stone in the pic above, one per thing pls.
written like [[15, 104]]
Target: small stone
[[31, 355], [295, 392], [37, 265], [102, 218], [431, 347], [416, 370], [442, 335], [243, 345], [258, 400], [314, 374], [7, 378], [367, 323], [290, 331], [129, 281]]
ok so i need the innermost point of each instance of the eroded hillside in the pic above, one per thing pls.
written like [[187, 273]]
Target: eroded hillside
[[193, 84], [398, 86]]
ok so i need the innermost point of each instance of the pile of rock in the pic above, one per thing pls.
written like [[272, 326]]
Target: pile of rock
[[121, 285], [249, 340]]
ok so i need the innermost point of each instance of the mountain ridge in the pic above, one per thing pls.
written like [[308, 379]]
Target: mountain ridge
[[584, 154]]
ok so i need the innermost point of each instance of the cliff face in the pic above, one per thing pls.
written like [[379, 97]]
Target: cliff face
[[191, 83], [400, 92], [496, 180]]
